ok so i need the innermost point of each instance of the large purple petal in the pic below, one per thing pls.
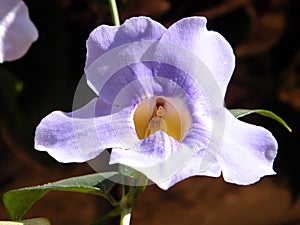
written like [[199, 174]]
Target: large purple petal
[[247, 152], [17, 32], [146, 64], [211, 47], [85, 133], [141, 80], [115, 59], [105, 38], [120, 66]]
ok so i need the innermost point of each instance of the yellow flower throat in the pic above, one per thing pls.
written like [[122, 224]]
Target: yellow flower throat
[[157, 114]]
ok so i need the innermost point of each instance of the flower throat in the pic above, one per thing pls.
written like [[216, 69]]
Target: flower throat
[[157, 114]]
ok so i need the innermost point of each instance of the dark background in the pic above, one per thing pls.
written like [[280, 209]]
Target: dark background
[[265, 37]]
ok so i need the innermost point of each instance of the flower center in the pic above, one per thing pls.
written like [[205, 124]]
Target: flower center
[[159, 114]]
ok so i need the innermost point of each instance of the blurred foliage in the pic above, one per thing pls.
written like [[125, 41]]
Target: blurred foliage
[[263, 33]]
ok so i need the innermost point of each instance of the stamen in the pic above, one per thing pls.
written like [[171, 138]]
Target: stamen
[[157, 123]]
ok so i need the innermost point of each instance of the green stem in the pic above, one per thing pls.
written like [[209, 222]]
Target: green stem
[[116, 212], [130, 192], [125, 216], [111, 200], [114, 12]]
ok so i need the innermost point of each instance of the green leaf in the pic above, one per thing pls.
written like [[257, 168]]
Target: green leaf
[[17, 202], [128, 171], [244, 112]]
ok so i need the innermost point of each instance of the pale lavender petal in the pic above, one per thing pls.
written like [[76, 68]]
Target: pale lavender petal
[[200, 163], [17, 32], [137, 81], [159, 156], [166, 161], [163, 59], [130, 46], [247, 152], [85, 133], [129, 85], [148, 152], [105, 38], [211, 47], [191, 169]]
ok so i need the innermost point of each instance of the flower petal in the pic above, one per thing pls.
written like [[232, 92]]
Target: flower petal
[[159, 156], [148, 152], [166, 161], [143, 80], [187, 67], [191, 168], [247, 152], [211, 47], [201, 162], [17, 32], [85, 133], [105, 38]]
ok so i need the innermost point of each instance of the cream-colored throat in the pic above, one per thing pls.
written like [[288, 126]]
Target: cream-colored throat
[[161, 114]]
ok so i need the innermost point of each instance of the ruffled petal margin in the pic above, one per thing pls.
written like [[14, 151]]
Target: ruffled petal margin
[[211, 47], [247, 152], [105, 38]]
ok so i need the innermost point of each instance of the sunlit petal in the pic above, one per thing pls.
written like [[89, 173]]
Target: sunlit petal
[[85, 133], [105, 38], [247, 152], [211, 47]]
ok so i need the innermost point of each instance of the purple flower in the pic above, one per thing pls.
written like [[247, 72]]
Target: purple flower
[[17, 32], [160, 107]]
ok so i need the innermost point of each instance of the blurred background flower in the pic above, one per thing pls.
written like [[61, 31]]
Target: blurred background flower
[[17, 32]]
